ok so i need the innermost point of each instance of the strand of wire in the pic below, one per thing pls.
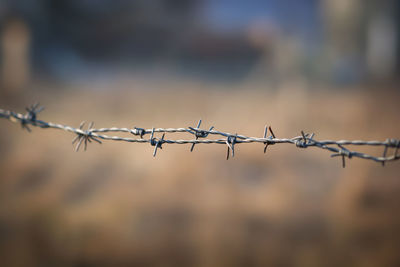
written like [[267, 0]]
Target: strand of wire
[[230, 140]]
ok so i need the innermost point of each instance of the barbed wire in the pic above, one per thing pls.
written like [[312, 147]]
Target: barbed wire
[[304, 140]]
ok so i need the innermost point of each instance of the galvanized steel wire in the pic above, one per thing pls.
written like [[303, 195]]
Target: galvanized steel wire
[[83, 137]]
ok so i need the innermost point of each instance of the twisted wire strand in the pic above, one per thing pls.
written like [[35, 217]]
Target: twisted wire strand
[[302, 141]]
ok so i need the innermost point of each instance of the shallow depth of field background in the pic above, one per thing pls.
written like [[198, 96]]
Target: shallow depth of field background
[[329, 67]]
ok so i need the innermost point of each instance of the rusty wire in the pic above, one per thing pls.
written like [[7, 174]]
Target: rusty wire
[[305, 140]]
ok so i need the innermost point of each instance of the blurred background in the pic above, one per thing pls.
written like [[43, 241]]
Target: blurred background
[[329, 66]]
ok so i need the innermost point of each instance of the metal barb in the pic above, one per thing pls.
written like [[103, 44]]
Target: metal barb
[[265, 136], [268, 142], [384, 152], [157, 144], [302, 143], [84, 136], [196, 135], [343, 162], [138, 131], [33, 110], [345, 153], [230, 142], [272, 133], [304, 137], [30, 116], [152, 134]]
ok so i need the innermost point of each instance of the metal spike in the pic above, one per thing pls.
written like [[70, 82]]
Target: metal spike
[[198, 126], [384, 154]]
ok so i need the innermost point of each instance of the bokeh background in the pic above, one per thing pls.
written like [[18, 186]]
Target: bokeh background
[[329, 67]]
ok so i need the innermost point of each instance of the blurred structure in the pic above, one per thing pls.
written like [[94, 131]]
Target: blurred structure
[[15, 54], [343, 39], [361, 39], [341, 42], [383, 33]]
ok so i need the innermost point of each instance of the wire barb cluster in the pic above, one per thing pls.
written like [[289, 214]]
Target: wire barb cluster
[[305, 140]]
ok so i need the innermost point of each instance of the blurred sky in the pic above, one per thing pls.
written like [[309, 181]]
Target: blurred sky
[[236, 15]]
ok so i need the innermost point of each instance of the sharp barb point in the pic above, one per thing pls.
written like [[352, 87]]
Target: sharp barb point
[[272, 132], [75, 139], [265, 131]]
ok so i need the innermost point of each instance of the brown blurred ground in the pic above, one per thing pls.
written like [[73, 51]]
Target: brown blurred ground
[[115, 205]]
